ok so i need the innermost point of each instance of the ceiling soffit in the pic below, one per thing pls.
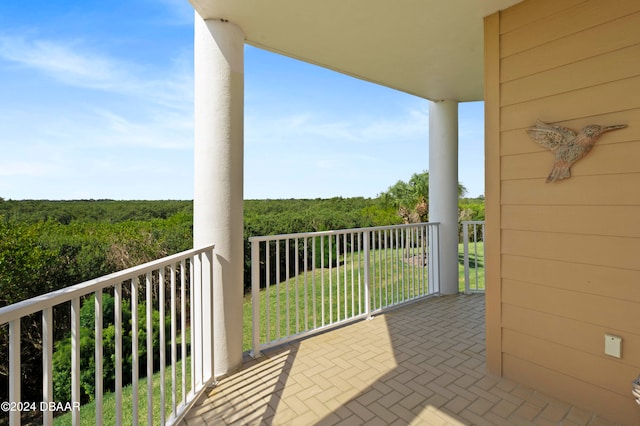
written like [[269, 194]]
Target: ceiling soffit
[[428, 48]]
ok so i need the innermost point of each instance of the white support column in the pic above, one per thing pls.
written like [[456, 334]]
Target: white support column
[[218, 189], [443, 187]]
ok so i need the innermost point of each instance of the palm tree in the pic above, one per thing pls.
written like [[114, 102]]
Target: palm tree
[[411, 199]]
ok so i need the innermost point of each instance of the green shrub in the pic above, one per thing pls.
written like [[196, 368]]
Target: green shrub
[[62, 354]]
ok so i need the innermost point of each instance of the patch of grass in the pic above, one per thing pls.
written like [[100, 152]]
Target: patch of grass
[[327, 295], [387, 270]]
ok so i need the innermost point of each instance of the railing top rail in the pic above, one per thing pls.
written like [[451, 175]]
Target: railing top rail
[[38, 303], [473, 222], [337, 231]]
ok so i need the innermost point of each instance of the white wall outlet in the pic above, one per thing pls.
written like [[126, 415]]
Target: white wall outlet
[[613, 345]]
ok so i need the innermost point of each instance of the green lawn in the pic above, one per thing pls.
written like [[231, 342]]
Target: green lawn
[[386, 272]]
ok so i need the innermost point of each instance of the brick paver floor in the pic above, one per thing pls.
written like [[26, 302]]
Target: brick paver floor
[[421, 364]]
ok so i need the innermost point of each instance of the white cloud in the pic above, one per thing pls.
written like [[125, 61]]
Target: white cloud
[[165, 131], [63, 62], [413, 124], [309, 126], [134, 105], [327, 154], [74, 64]]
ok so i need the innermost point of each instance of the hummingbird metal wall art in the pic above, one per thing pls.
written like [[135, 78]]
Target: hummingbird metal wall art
[[567, 146]]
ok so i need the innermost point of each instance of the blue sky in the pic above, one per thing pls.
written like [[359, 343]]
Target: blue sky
[[96, 101]]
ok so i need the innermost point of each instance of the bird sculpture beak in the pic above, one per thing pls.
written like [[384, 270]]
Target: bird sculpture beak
[[616, 127]]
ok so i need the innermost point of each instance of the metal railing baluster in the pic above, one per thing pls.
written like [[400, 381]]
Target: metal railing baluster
[[288, 275], [297, 272], [353, 279], [14, 370], [267, 296], [117, 300], [98, 355], [337, 278], [174, 348], [322, 279], [134, 347], [367, 283], [149, 325], [344, 270], [163, 354], [183, 328], [75, 358], [278, 289], [359, 234], [47, 363]]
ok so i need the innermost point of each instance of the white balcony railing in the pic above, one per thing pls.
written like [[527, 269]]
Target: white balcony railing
[[177, 284], [301, 284], [473, 252], [313, 281]]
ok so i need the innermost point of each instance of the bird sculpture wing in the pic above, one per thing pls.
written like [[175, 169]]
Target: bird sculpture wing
[[549, 136]]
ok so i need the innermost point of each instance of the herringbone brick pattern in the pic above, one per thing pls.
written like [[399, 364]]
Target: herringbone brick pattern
[[421, 364]]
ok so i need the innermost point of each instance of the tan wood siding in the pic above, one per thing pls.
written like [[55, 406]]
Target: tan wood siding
[[618, 190], [610, 36], [578, 335], [567, 388], [616, 252], [592, 101], [564, 23], [591, 279], [528, 12], [587, 220], [579, 364], [583, 307], [569, 251], [612, 66]]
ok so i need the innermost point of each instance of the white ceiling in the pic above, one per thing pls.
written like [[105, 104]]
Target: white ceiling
[[429, 48]]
